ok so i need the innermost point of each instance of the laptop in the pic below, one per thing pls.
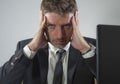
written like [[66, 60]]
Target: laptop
[[108, 54]]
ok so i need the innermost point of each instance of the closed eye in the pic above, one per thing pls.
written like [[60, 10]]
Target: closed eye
[[50, 26], [66, 26]]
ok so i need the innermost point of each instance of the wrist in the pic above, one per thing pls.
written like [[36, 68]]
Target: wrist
[[85, 49], [28, 53], [90, 53], [32, 47]]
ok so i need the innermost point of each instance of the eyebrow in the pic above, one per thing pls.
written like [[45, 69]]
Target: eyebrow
[[49, 24], [66, 24], [61, 25]]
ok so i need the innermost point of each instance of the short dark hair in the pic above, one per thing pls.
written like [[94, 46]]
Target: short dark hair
[[59, 6]]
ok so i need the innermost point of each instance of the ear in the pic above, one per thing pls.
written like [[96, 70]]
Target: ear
[[46, 34]]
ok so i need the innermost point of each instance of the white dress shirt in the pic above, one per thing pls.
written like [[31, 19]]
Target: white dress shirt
[[53, 60]]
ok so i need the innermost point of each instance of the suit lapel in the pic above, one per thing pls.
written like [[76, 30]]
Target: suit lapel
[[74, 56], [43, 61]]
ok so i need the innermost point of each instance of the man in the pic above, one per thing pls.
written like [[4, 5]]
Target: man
[[35, 60]]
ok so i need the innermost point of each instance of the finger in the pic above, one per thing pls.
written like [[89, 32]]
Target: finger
[[43, 21], [76, 17], [41, 16], [71, 38], [73, 22], [41, 25], [45, 37]]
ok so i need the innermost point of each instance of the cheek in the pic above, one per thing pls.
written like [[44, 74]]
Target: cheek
[[69, 32], [50, 34]]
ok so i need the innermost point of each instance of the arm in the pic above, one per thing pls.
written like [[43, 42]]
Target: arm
[[6, 68], [91, 61], [15, 67], [13, 71], [83, 45]]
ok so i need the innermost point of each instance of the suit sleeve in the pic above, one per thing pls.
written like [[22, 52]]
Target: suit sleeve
[[12, 71], [91, 62], [5, 69]]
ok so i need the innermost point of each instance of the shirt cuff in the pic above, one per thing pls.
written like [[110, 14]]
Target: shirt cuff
[[28, 53], [90, 53]]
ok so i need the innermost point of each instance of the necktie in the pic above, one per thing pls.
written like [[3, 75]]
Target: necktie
[[59, 68]]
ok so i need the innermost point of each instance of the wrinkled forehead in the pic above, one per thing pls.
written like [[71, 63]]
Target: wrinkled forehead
[[55, 18]]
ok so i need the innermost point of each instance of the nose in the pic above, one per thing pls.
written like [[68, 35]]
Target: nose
[[59, 32]]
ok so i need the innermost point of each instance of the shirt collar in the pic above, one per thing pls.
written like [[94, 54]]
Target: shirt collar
[[55, 49]]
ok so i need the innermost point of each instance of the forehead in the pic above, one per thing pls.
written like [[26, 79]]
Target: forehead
[[57, 18]]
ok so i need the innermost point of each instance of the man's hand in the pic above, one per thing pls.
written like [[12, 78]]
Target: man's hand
[[77, 39], [39, 39]]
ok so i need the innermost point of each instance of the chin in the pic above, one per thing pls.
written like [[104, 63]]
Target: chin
[[59, 46]]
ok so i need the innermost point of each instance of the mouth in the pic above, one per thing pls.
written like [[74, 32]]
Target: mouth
[[60, 42]]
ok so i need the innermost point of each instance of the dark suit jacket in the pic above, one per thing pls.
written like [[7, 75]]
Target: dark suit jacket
[[21, 69]]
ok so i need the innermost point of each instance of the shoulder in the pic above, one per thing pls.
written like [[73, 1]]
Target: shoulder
[[90, 40], [24, 42]]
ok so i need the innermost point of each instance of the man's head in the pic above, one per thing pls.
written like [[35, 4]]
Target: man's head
[[59, 6], [58, 15]]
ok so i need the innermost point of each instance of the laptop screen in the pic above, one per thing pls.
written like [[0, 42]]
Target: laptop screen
[[108, 54]]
